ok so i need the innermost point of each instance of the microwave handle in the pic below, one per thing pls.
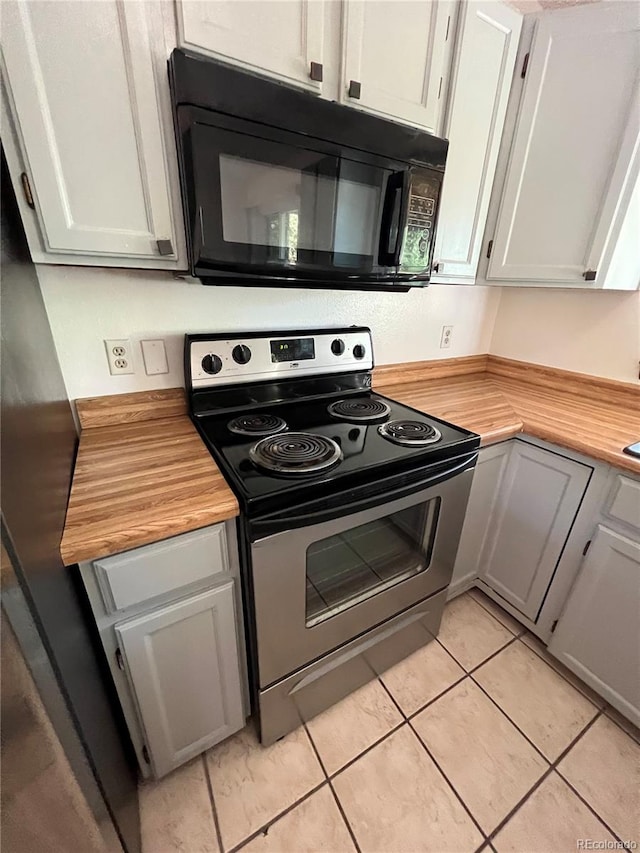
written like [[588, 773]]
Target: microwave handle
[[394, 214]]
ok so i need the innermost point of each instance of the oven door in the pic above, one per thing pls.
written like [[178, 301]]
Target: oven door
[[270, 203], [320, 585]]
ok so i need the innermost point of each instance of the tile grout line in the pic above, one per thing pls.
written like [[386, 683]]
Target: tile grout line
[[367, 749], [471, 674], [519, 636], [435, 698], [509, 642], [442, 773], [214, 811], [559, 672], [264, 829], [332, 789], [487, 838], [552, 765], [513, 723], [635, 738], [550, 770]]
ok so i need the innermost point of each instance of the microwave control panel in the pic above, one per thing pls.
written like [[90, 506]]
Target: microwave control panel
[[419, 231]]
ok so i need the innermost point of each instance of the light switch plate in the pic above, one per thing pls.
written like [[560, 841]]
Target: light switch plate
[[155, 357]]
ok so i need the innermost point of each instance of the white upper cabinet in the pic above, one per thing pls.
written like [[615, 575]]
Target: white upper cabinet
[[87, 128], [396, 58], [486, 53], [280, 37], [574, 156]]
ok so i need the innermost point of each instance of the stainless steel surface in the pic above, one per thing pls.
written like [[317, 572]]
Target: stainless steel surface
[[314, 688], [38, 443], [296, 453], [279, 569], [261, 367], [359, 410], [410, 433]]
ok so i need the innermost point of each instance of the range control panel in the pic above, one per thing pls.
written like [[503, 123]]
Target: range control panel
[[258, 357]]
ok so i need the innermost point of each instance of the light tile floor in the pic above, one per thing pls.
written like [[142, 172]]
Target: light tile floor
[[480, 741]]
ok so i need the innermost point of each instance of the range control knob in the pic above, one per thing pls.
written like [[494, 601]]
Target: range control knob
[[359, 351], [212, 363], [337, 346], [241, 354]]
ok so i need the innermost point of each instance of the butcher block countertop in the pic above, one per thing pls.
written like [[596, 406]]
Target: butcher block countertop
[[143, 474], [499, 398], [139, 481]]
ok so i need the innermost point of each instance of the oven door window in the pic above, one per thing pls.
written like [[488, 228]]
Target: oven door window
[[344, 570], [279, 208]]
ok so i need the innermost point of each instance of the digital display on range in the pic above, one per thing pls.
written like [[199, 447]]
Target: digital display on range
[[292, 349]]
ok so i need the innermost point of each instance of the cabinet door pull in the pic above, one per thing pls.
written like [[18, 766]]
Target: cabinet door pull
[[26, 189], [354, 89], [586, 548], [589, 275], [436, 267], [315, 72], [119, 660], [164, 247]]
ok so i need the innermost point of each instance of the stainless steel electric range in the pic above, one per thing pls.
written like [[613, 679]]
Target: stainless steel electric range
[[351, 510]]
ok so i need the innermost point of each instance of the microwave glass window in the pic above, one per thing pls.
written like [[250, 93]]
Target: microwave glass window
[[321, 205], [346, 569]]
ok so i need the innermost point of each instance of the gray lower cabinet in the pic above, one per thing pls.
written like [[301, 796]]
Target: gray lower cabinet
[[169, 617], [598, 633], [182, 664], [528, 524], [487, 477]]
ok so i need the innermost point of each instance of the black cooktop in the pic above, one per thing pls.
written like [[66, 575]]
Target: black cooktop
[[363, 448]]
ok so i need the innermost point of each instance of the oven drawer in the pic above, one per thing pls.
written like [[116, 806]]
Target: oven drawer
[[153, 570], [298, 698]]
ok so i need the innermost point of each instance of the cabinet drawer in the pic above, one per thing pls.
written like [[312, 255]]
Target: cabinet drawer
[[624, 501], [154, 570]]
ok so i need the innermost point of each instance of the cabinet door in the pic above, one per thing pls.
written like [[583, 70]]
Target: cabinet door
[[597, 635], [182, 661], [487, 477], [539, 498], [280, 38], [486, 54], [398, 51], [84, 104], [572, 156]]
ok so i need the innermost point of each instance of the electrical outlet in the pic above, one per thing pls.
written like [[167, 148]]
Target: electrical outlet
[[119, 357], [445, 337]]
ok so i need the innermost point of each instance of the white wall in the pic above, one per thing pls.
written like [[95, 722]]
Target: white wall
[[87, 305], [595, 332]]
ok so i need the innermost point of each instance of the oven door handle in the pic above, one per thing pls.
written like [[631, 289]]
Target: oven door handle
[[265, 527]]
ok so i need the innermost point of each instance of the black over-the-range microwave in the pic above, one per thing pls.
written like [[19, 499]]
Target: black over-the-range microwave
[[281, 188]]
